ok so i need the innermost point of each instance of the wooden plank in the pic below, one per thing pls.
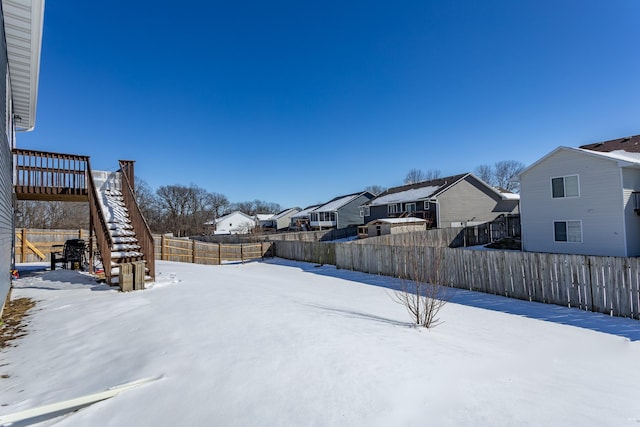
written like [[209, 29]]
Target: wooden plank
[[72, 404]]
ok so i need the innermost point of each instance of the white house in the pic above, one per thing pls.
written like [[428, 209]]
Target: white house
[[20, 44], [579, 201], [234, 223]]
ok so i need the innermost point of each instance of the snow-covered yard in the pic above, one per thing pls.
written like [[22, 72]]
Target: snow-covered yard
[[282, 343]]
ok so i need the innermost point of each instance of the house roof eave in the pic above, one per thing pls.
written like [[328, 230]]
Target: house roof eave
[[23, 26]]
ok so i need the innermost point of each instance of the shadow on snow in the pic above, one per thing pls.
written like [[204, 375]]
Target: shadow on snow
[[620, 326]]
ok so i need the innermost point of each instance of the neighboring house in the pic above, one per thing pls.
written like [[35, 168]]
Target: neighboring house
[[581, 201], [453, 201], [380, 227], [234, 223], [264, 220], [300, 220], [279, 221], [20, 44], [340, 212]]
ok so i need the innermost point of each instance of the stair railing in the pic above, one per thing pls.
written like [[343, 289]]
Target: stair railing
[[140, 226], [99, 226]]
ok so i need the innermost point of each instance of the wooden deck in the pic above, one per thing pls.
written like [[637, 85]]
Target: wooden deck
[[41, 175]]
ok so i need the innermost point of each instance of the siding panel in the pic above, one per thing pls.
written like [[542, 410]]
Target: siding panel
[[6, 184], [599, 205]]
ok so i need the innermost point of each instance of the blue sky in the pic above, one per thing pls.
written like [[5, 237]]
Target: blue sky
[[298, 102]]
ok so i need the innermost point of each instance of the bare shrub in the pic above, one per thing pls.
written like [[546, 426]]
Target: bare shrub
[[422, 292]]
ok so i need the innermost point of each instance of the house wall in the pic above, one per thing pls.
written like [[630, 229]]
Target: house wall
[[284, 221], [631, 183], [235, 224], [376, 212], [6, 180], [349, 214], [470, 201], [599, 205]]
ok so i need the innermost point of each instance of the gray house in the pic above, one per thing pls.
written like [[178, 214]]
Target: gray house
[[20, 44], [279, 221], [582, 201], [340, 212], [452, 201]]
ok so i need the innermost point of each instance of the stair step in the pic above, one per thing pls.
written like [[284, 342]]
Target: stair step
[[125, 247], [124, 239], [125, 254]]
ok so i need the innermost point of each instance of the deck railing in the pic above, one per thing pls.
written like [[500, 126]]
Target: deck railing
[[140, 226], [100, 229], [50, 176]]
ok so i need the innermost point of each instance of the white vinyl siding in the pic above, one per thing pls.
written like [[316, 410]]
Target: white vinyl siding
[[599, 207], [631, 183]]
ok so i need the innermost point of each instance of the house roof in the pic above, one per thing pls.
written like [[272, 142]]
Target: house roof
[[338, 202], [285, 212], [413, 192], [623, 158], [429, 189], [23, 21], [630, 144], [305, 211], [406, 220], [229, 215], [264, 217]]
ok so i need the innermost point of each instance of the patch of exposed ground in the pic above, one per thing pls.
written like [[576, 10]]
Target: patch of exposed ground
[[13, 320]]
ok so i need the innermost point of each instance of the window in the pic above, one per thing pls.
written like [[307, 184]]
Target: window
[[565, 186], [393, 208], [567, 231], [426, 205], [410, 207], [365, 211]]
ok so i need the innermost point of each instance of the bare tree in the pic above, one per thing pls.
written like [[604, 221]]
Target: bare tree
[[414, 176], [149, 205], [505, 172], [185, 210], [485, 173], [422, 292], [376, 189], [50, 215], [502, 174], [256, 207], [432, 174]]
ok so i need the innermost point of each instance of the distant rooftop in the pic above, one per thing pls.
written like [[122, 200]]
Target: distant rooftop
[[630, 144]]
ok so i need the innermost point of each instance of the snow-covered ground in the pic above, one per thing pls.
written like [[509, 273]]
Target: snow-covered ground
[[281, 343]]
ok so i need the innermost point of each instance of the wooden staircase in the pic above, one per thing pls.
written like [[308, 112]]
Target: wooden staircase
[[120, 231]]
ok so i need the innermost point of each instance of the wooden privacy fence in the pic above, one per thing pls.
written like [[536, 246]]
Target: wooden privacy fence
[[34, 245], [608, 285], [192, 251], [316, 252]]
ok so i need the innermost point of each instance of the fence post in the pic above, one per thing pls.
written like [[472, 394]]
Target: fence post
[[193, 251], [162, 243], [241, 253], [23, 246], [219, 253]]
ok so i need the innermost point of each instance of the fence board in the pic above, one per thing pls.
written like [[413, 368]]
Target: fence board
[[604, 284]]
